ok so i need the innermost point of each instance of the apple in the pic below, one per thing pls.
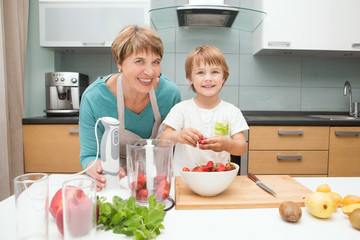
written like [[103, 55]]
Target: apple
[[320, 204], [79, 216], [59, 220], [57, 202]]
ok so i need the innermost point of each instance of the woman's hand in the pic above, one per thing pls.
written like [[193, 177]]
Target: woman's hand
[[189, 136], [95, 173]]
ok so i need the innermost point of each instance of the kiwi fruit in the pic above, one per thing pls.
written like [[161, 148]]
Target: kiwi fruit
[[290, 211], [354, 217]]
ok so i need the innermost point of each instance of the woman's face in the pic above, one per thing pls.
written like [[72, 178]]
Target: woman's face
[[141, 70], [207, 79]]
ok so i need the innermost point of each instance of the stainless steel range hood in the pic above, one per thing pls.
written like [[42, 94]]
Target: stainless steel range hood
[[206, 15]]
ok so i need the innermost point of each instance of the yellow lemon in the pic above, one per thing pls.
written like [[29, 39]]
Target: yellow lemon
[[337, 197], [351, 199], [349, 208], [323, 188]]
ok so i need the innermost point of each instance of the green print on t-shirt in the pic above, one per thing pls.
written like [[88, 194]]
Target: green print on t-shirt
[[222, 129]]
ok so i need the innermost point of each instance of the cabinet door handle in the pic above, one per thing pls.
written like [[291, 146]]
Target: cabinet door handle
[[94, 43], [73, 130], [296, 157], [279, 43], [290, 132], [356, 45], [346, 133]]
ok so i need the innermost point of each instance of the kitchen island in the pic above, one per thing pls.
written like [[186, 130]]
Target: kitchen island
[[260, 223]]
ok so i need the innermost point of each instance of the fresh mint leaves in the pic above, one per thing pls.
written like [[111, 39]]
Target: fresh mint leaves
[[129, 218]]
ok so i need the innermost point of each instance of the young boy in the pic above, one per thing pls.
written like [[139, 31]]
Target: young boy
[[205, 128]]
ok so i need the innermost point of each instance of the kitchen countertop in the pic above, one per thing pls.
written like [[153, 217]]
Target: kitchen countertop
[[260, 223], [263, 118], [52, 120]]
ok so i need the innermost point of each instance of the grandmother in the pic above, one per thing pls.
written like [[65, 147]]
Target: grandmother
[[140, 96]]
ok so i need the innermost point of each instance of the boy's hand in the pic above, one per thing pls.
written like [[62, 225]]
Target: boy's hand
[[217, 144], [189, 136]]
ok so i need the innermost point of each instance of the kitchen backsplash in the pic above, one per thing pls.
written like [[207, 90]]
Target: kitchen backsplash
[[275, 83]]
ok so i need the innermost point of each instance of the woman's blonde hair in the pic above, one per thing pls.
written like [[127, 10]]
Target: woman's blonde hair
[[208, 55], [134, 39]]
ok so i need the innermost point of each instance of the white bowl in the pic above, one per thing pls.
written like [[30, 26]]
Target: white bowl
[[209, 184]]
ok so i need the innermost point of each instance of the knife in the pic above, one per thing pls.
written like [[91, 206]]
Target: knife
[[260, 184]]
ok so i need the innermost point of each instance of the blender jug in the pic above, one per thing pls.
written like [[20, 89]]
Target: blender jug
[[149, 168]]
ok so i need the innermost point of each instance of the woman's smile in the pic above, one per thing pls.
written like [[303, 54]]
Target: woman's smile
[[145, 81]]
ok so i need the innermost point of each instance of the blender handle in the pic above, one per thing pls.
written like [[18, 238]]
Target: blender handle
[[73, 130]]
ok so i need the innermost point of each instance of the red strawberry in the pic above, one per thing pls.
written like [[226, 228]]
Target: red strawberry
[[230, 166], [159, 178], [122, 173], [185, 169], [163, 190], [141, 179], [219, 167], [205, 168], [202, 141], [141, 195], [210, 164], [138, 186], [197, 169]]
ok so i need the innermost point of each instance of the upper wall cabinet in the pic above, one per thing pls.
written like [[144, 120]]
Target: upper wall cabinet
[[344, 29], [307, 27], [90, 23]]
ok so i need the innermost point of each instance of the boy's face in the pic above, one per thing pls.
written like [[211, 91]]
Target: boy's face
[[207, 79]]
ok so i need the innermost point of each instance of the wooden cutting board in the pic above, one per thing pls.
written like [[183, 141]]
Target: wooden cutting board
[[243, 193]]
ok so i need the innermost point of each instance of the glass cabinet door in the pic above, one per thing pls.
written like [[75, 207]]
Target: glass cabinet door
[[88, 23]]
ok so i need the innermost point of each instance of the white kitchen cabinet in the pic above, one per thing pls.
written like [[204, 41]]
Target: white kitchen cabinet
[[91, 23], [293, 25], [306, 27], [344, 30]]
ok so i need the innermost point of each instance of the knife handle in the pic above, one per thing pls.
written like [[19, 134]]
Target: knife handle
[[252, 177]]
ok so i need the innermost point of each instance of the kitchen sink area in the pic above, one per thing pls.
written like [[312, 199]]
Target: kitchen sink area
[[290, 118], [336, 117]]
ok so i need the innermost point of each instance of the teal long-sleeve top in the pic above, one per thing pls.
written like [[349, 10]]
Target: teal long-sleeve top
[[98, 101]]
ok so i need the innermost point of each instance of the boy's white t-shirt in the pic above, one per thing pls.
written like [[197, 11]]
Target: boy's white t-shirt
[[225, 120]]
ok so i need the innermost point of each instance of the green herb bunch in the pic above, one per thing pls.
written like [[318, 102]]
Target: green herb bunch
[[129, 218]]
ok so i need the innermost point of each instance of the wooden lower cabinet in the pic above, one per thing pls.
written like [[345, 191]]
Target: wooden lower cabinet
[[51, 148], [289, 162], [289, 150], [344, 152]]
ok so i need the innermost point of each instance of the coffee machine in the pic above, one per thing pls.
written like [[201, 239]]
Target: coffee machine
[[63, 92]]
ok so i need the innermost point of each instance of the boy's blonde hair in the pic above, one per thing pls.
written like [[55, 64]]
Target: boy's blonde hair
[[208, 55], [134, 39]]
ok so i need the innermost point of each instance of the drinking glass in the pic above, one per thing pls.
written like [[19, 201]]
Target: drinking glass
[[79, 208], [32, 205]]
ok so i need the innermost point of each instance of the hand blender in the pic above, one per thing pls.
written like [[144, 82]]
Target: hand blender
[[109, 152]]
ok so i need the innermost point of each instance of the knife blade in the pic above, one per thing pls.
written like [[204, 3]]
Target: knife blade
[[260, 184]]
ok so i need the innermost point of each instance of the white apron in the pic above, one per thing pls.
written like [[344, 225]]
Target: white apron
[[126, 135]]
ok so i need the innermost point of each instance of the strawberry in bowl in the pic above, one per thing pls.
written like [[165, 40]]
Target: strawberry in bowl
[[210, 179]]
